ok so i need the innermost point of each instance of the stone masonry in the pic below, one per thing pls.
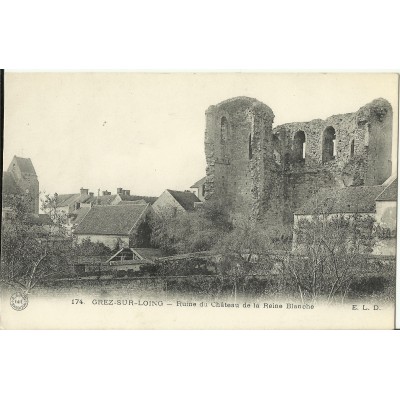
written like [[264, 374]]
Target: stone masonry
[[266, 173]]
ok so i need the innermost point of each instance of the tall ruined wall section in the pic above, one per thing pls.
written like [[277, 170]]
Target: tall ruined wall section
[[343, 150], [241, 171], [267, 174]]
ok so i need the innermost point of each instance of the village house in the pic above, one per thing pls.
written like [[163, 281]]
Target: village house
[[199, 188], [125, 261], [172, 202], [378, 202], [386, 218], [75, 206], [69, 203], [118, 225]]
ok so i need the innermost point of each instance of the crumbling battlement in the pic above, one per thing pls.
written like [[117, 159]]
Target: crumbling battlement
[[268, 173]]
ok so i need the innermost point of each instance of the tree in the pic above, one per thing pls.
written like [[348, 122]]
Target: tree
[[188, 232], [241, 249], [31, 250], [328, 252], [50, 206]]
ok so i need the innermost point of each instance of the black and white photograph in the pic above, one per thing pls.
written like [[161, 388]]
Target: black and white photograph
[[199, 200]]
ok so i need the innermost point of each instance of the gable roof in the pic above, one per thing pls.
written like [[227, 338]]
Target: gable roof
[[9, 186], [111, 220], [65, 200], [390, 193], [129, 197], [149, 253], [78, 215], [199, 183], [351, 199], [24, 164], [185, 199], [105, 200], [142, 253]]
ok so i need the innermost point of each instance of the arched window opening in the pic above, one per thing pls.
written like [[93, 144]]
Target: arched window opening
[[352, 149], [250, 148], [224, 129], [299, 146], [329, 144]]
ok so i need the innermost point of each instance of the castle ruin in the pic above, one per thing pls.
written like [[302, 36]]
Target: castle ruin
[[267, 173]]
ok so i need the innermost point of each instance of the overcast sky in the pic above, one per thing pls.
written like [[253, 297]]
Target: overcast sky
[[145, 132]]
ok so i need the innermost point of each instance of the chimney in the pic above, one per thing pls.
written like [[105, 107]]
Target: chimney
[[127, 192], [84, 192], [119, 190], [105, 193], [91, 194]]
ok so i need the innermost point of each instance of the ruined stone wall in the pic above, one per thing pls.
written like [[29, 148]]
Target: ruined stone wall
[[362, 156], [241, 170], [268, 174]]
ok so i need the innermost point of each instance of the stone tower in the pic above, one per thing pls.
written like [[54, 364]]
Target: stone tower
[[376, 120], [241, 168], [23, 173]]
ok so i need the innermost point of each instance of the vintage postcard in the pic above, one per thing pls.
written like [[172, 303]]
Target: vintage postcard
[[198, 200]]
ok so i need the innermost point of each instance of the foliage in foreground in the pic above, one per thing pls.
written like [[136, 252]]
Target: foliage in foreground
[[32, 252], [191, 232]]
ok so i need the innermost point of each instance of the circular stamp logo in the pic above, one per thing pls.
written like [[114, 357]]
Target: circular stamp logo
[[19, 301]]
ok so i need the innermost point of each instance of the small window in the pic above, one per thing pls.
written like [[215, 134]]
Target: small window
[[352, 149], [299, 146], [250, 148], [328, 144], [224, 129]]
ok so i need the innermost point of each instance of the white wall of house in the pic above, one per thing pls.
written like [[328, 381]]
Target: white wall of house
[[108, 240], [199, 192], [386, 214]]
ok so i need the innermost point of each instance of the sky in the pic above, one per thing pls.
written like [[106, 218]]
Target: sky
[[145, 131]]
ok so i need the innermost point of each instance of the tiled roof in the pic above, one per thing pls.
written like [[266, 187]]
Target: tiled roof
[[347, 200], [102, 200], [78, 215], [149, 253], [64, 200], [147, 199], [25, 165], [123, 202], [111, 220], [390, 193], [9, 186], [185, 199], [126, 254], [199, 183]]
